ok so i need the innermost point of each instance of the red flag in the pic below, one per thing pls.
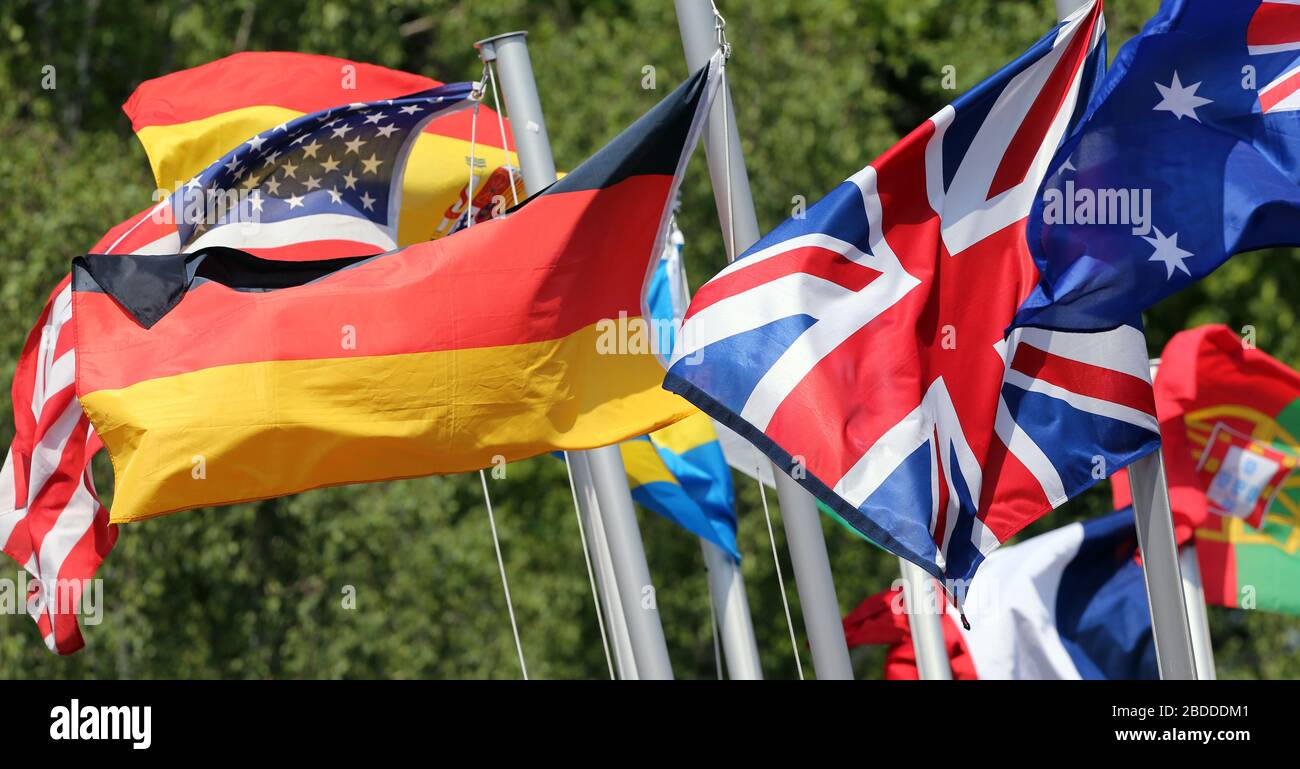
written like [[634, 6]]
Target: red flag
[[881, 619]]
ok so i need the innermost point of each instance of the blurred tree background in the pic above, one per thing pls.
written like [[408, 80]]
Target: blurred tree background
[[257, 590]]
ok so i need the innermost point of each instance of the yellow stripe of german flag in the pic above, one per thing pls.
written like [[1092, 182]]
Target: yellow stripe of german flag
[[208, 437]]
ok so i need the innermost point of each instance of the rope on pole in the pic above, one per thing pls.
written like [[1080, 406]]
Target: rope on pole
[[505, 147], [477, 97], [713, 625], [501, 565], [591, 575], [780, 579]]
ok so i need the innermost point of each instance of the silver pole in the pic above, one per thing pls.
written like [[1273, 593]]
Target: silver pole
[[1194, 593], [1155, 530], [607, 476], [1194, 596], [812, 569], [813, 580], [1170, 619], [606, 581], [731, 606], [519, 89], [1066, 7], [640, 604], [920, 596]]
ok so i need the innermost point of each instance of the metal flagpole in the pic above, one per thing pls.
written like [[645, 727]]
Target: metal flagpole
[[606, 582], [731, 607], [821, 609], [1194, 597], [1155, 530], [627, 553], [925, 619], [1194, 593], [605, 465]]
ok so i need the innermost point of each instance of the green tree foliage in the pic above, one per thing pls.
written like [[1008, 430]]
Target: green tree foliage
[[398, 580]]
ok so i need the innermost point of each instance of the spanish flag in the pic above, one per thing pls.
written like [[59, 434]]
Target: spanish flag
[[217, 376], [187, 119]]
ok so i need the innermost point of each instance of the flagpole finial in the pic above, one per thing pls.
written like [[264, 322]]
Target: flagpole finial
[[487, 47]]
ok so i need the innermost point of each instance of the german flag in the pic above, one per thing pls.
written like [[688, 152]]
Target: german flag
[[187, 119], [217, 377]]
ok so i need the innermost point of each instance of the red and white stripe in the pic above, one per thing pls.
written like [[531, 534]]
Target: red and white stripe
[[51, 521], [1275, 28], [938, 243], [1281, 95]]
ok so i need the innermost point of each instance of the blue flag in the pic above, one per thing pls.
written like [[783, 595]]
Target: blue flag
[[680, 471], [1188, 154]]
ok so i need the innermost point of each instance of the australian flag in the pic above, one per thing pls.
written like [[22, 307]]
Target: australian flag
[[331, 180], [1190, 153], [861, 346]]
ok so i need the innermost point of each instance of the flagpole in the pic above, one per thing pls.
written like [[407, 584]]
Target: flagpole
[[821, 609], [1194, 597], [1194, 593], [606, 581], [925, 620], [606, 474], [731, 606], [1155, 530], [627, 552]]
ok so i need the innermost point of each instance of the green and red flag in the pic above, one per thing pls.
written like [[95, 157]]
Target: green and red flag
[[1230, 422]]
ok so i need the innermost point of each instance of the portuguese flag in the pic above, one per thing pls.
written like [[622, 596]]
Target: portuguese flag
[[1230, 420]]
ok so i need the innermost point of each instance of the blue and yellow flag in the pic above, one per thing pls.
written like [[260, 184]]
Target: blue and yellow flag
[[680, 471]]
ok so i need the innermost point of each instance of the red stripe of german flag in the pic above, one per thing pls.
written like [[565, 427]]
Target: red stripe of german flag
[[517, 288]]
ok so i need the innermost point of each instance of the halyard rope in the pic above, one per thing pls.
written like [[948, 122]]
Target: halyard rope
[[713, 625], [720, 27], [476, 96], [501, 123], [591, 576], [505, 584], [789, 623]]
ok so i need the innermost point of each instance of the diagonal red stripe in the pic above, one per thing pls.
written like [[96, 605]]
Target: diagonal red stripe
[[820, 262], [1274, 24], [940, 520], [1279, 91], [1028, 140], [1012, 497], [1085, 379]]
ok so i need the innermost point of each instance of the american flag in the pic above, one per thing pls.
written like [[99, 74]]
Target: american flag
[[862, 346], [322, 185]]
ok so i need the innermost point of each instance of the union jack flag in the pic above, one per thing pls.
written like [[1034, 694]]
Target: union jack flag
[[862, 346], [1275, 28]]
